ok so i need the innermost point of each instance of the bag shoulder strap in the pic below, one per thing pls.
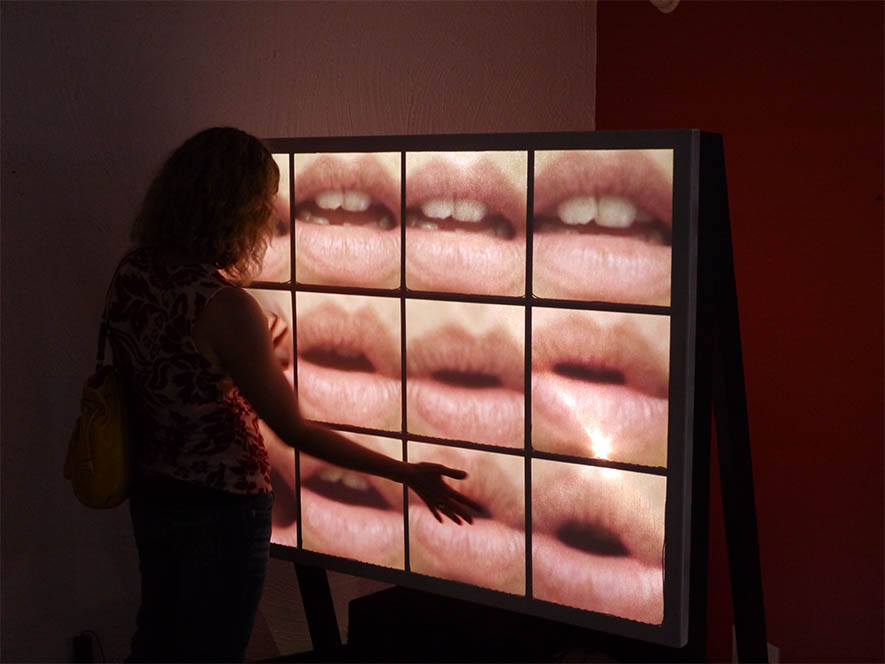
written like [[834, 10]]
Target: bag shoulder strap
[[104, 329]]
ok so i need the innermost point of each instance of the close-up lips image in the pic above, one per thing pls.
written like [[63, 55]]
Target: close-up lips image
[[491, 551], [351, 514], [598, 539], [603, 226], [599, 390], [349, 361], [465, 225], [464, 384], [439, 362], [344, 513], [347, 216]]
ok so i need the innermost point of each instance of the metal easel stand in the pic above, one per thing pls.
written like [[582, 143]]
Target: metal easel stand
[[730, 403], [313, 582]]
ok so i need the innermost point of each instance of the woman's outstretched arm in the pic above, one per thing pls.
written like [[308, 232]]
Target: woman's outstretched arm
[[232, 332]]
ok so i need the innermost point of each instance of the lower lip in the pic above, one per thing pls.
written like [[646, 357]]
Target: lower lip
[[619, 586], [486, 553], [464, 263], [601, 268], [346, 255], [349, 397], [567, 413], [491, 416], [351, 531]]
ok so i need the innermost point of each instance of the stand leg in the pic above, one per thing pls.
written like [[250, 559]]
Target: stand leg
[[730, 413], [317, 598]]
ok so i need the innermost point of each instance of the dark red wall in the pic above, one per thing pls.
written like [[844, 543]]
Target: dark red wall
[[796, 89]]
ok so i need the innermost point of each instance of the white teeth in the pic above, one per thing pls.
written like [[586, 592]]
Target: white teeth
[[354, 482], [578, 210], [438, 208], [350, 200], [356, 201], [462, 209], [322, 221], [616, 212], [608, 211], [468, 210], [335, 474], [428, 225], [330, 199]]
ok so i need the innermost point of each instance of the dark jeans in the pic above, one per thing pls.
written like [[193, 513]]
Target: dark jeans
[[203, 559]]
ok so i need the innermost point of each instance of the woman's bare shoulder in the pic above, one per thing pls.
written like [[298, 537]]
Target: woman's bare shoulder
[[231, 320]]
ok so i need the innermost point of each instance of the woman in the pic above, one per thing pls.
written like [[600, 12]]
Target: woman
[[196, 355]]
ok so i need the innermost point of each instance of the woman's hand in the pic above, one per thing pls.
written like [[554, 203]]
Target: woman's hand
[[426, 479]]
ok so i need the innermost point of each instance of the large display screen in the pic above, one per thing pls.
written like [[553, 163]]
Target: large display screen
[[520, 307]]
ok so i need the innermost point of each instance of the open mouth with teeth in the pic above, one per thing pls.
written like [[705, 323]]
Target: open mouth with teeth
[[345, 487], [603, 227], [337, 207], [347, 209], [465, 223], [607, 215], [462, 215], [352, 514]]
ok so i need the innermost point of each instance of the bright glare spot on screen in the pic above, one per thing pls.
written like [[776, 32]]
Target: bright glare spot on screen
[[600, 445]]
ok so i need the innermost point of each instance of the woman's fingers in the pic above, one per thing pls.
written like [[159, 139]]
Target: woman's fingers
[[443, 470], [439, 497], [464, 500]]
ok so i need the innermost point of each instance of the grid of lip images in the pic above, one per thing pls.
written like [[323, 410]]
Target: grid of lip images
[[501, 312]]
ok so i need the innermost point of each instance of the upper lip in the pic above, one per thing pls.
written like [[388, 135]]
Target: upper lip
[[331, 327], [312, 467], [575, 339], [482, 181], [628, 173], [454, 349], [364, 173]]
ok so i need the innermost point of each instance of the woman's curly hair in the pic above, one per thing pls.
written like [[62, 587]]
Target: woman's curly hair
[[213, 198]]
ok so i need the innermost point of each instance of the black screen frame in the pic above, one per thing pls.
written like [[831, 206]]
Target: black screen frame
[[682, 312]]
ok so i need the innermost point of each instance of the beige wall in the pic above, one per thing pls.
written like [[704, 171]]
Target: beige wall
[[93, 97]]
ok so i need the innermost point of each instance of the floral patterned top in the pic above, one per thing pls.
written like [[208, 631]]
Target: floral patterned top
[[188, 418]]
